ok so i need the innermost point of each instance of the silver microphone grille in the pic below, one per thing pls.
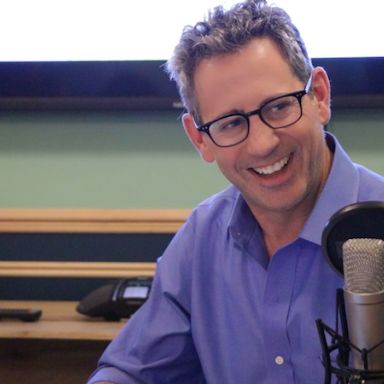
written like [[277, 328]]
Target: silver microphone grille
[[363, 263]]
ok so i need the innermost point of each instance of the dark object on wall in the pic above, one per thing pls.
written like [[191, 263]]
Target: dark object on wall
[[116, 301], [121, 85]]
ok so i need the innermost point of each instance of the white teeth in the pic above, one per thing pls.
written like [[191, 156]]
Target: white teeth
[[272, 168]]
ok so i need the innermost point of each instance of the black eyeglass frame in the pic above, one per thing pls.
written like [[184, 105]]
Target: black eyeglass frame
[[297, 94]]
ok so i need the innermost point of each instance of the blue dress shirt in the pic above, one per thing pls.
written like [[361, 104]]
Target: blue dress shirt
[[222, 312]]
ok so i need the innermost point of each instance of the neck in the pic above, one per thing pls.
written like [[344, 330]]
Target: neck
[[281, 229]]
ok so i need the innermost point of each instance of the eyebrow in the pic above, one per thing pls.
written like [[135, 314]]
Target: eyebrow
[[236, 111]]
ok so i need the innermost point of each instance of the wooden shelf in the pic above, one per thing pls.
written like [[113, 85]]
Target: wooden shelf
[[58, 321], [75, 269], [92, 220]]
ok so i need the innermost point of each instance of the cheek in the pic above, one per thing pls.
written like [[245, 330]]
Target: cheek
[[224, 157], [315, 149], [311, 129], [227, 161]]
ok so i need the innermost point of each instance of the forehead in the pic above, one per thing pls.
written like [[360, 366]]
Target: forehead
[[241, 80]]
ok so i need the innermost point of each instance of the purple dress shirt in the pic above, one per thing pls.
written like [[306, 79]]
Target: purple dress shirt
[[222, 312]]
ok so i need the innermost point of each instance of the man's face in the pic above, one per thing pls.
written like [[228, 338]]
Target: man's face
[[275, 169]]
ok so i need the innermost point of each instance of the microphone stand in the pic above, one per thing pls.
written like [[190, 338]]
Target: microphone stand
[[340, 348]]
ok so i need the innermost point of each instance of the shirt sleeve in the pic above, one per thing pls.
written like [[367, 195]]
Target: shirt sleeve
[[156, 345]]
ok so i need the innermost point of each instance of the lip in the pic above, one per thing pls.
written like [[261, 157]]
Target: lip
[[271, 169], [276, 178]]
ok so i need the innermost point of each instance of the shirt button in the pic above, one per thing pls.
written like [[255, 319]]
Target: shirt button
[[279, 360]]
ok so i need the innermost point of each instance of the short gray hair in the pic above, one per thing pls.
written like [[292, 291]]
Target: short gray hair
[[227, 31]]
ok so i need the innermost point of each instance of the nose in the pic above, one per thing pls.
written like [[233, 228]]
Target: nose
[[262, 140]]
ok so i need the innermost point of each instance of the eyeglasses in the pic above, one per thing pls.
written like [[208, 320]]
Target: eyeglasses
[[279, 112]]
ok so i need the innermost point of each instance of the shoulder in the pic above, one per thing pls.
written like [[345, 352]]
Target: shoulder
[[194, 248], [208, 220], [215, 210]]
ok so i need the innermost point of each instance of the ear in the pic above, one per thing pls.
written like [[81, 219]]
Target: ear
[[198, 139], [322, 92]]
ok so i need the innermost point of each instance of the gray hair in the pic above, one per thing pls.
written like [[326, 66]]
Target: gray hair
[[227, 31]]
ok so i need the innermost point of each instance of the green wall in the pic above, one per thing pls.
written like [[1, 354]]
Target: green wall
[[130, 159]]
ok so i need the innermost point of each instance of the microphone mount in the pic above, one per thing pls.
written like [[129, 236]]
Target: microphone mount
[[336, 352]]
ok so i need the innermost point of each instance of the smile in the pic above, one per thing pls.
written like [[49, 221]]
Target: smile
[[270, 169]]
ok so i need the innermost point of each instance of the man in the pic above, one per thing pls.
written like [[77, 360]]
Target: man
[[237, 292]]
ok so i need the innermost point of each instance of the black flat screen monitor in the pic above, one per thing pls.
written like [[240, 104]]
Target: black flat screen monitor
[[83, 54]]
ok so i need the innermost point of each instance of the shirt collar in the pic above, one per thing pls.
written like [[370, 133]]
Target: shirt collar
[[341, 189]]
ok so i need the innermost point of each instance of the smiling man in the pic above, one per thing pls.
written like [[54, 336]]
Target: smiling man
[[272, 165], [237, 292]]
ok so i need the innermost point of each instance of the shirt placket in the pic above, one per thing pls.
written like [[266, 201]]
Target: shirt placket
[[277, 303]]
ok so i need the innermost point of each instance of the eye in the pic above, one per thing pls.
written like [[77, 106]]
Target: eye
[[229, 124], [279, 105], [279, 108]]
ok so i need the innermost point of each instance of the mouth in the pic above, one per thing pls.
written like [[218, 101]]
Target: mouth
[[273, 168]]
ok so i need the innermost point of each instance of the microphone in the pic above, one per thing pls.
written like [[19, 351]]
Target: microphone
[[363, 261], [353, 244]]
